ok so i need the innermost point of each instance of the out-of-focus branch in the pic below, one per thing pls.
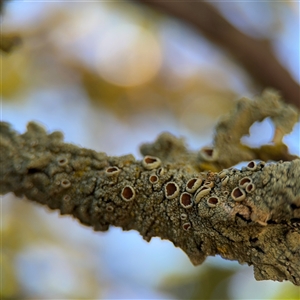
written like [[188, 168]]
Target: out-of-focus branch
[[1, 7], [8, 42], [255, 55], [250, 215]]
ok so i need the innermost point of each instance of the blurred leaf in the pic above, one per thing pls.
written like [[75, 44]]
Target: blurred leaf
[[9, 284], [14, 74], [289, 292], [24, 231], [208, 283]]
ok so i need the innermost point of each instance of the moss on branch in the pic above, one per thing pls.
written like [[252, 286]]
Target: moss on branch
[[250, 215]]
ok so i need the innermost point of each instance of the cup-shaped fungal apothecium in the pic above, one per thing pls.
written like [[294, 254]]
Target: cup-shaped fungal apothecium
[[151, 162], [186, 226], [111, 171], [244, 182], [208, 153], [160, 171], [186, 200], [153, 178], [193, 184], [250, 187], [222, 174], [252, 165], [203, 191], [65, 183], [128, 193], [171, 190], [212, 201], [224, 180], [208, 183], [238, 194], [62, 161], [183, 216]]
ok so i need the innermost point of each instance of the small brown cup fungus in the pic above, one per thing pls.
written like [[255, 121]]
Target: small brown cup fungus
[[186, 226], [66, 198], [250, 187], [186, 200], [109, 208], [171, 190], [151, 162], [193, 184], [224, 180], [153, 179], [128, 193], [252, 165], [65, 183], [111, 171], [208, 154], [183, 217], [160, 171], [244, 182], [212, 201], [208, 183], [238, 194], [203, 191], [62, 161], [222, 174]]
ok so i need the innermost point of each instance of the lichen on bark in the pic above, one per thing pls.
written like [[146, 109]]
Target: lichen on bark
[[250, 215]]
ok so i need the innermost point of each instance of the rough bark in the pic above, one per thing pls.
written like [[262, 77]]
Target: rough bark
[[250, 215]]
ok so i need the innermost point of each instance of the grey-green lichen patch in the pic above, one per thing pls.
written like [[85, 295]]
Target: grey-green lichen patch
[[198, 212], [228, 149], [167, 147]]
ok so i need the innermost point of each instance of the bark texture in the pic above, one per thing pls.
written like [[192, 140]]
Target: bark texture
[[250, 215]]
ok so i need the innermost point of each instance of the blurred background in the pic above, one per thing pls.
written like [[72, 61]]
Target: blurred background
[[112, 75]]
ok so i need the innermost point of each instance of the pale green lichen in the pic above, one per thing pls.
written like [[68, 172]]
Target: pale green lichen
[[262, 229], [228, 149]]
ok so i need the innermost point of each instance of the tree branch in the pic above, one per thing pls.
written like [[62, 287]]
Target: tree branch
[[256, 56], [250, 215], [228, 149]]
